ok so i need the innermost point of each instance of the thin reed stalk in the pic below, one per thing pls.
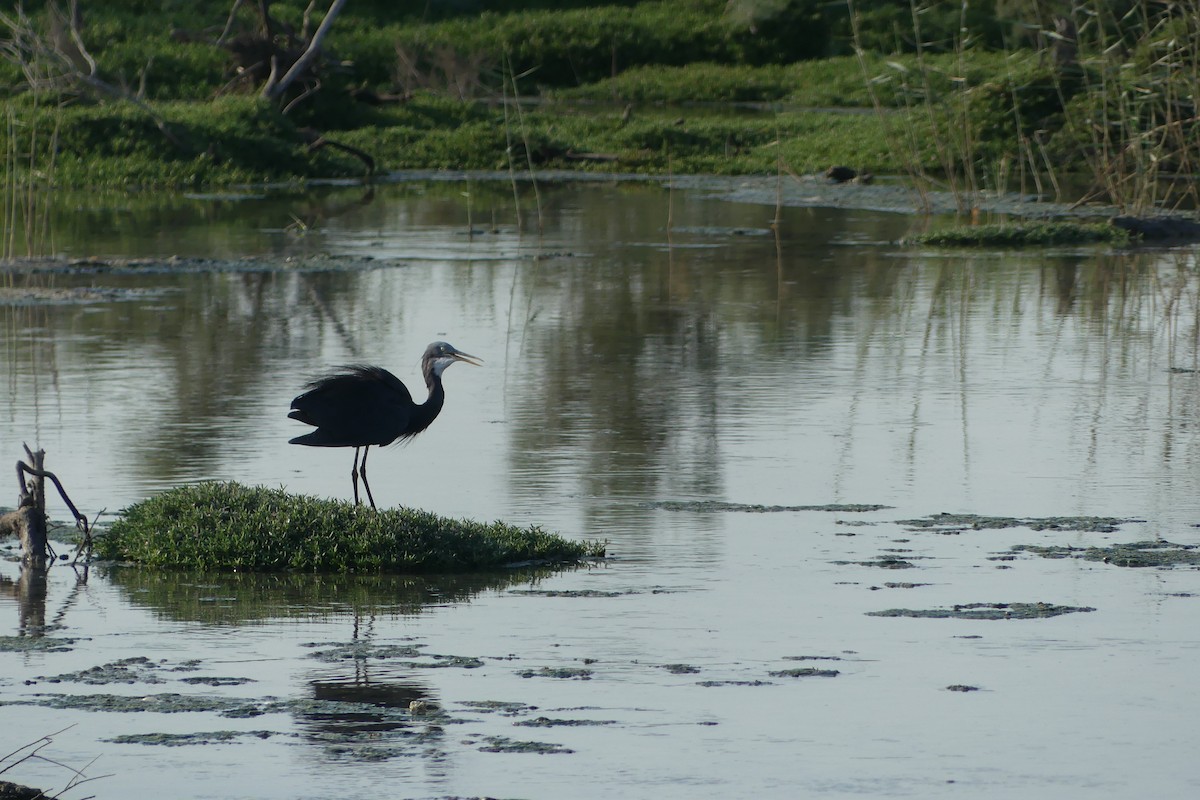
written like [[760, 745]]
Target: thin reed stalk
[[508, 150], [1138, 114], [537, 196], [29, 162]]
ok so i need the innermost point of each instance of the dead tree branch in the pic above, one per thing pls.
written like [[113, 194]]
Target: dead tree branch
[[275, 87], [80, 520], [229, 22], [29, 521], [317, 140], [58, 60]]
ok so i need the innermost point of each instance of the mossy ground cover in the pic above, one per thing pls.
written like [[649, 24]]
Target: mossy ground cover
[[244, 141], [227, 526]]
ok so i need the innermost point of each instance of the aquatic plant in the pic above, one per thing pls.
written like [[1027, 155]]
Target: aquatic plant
[[1028, 234], [228, 526]]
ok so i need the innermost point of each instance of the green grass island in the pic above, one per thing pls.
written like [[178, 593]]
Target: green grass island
[[227, 526]]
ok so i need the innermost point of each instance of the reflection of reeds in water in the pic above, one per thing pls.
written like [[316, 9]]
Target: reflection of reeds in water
[[250, 596], [1106, 323]]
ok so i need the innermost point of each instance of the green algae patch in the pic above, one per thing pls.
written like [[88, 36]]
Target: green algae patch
[[228, 526], [957, 523], [681, 669], [564, 673], [335, 652], [712, 684], [882, 562], [547, 722], [1032, 234], [1133, 554], [167, 703], [184, 739], [988, 611], [502, 744], [506, 707], [804, 672], [137, 669], [570, 593], [399, 655], [36, 644], [709, 506]]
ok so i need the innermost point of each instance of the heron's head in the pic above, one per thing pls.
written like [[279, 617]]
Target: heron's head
[[440, 355]]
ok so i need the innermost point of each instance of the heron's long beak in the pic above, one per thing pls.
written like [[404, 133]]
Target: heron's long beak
[[467, 358]]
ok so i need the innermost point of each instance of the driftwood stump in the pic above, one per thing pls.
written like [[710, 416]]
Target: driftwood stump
[[29, 521]]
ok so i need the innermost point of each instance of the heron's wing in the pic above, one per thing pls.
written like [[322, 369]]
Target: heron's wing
[[358, 405]]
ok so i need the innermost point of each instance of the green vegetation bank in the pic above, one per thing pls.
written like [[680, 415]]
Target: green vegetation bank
[[991, 94]]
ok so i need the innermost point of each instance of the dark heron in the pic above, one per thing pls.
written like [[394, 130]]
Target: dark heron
[[360, 405]]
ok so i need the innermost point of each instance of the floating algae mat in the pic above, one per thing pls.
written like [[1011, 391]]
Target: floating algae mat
[[985, 611], [957, 523], [1133, 554], [719, 505], [227, 526]]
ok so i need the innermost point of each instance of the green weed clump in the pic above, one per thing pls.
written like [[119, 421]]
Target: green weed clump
[[227, 526], [577, 46], [692, 83], [1023, 235], [230, 140]]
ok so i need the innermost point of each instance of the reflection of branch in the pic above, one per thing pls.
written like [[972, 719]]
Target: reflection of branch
[[323, 309]]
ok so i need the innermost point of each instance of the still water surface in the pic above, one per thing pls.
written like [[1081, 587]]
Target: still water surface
[[644, 347]]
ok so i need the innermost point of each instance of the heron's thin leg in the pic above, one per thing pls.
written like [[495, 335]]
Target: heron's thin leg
[[363, 471], [354, 476]]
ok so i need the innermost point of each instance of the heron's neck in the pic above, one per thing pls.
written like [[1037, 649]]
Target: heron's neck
[[427, 412]]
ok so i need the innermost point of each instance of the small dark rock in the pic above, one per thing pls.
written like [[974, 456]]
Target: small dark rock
[[841, 174], [15, 791]]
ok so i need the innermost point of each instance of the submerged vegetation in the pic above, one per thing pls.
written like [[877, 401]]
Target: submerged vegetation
[[1156, 553], [227, 526], [971, 97], [1023, 235], [985, 611]]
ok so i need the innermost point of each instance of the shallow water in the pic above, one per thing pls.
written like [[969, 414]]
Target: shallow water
[[634, 372]]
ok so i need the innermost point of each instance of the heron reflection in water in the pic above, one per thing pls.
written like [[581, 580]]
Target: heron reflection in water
[[361, 405]]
